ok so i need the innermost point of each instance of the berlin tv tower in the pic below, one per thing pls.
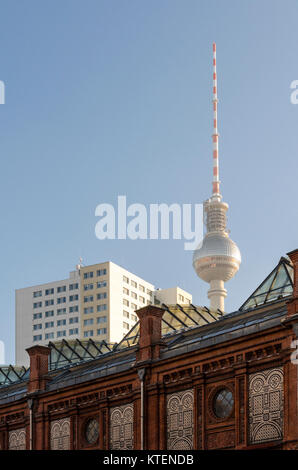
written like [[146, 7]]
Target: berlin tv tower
[[218, 258]]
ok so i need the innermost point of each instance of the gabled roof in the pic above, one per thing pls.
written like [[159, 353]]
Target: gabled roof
[[10, 374], [72, 352], [176, 318], [277, 285]]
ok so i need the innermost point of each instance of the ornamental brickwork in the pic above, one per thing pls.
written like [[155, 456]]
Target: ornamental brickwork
[[180, 420], [266, 405], [121, 427], [230, 384], [17, 439], [60, 434]]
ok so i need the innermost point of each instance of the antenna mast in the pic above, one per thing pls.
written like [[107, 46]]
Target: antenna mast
[[215, 182]]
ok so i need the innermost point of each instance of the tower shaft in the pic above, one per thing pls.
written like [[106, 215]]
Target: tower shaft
[[215, 182], [217, 294]]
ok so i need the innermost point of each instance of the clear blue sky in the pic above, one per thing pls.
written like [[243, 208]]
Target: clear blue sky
[[108, 97]]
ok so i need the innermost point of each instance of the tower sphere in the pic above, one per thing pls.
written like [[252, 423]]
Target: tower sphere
[[218, 258]]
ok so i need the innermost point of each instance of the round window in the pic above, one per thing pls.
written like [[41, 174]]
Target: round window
[[92, 431], [223, 403]]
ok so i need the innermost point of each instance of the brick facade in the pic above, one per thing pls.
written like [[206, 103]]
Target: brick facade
[[238, 393]]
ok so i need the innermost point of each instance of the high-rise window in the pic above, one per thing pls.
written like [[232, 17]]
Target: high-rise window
[[125, 325], [125, 314], [37, 293], [49, 302], [49, 313], [61, 289], [49, 335], [88, 310], [73, 298], [73, 320], [88, 333], [102, 295], [38, 326], [125, 291], [134, 295], [101, 331], [73, 309], [61, 333], [89, 321], [101, 284], [61, 311], [126, 302], [74, 331], [61, 300], [73, 286], [37, 304], [36, 316], [61, 322], [37, 338], [101, 272], [102, 307], [49, 291], [49, 324], [88, 275], [102, 319], [88, 298], [88, 287], [125, 279]]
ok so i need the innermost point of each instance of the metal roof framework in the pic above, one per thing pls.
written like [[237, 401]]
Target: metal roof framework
[[176, 318], [71, 352], [10, 374]]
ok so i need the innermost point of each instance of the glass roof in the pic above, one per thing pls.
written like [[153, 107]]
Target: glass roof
[[10, 374], [176, 318], [277, 285], [62, 353], [71, 352]]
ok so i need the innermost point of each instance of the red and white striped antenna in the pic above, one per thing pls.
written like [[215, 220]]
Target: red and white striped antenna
[[215, 182]]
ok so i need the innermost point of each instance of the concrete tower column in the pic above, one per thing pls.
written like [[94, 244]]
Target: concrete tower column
[[217, 294]]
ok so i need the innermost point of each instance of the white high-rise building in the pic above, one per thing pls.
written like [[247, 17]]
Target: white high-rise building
[[172, 296], [46, 312], [96, 301]]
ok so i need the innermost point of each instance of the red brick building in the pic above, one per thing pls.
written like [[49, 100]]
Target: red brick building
[[183, 378]]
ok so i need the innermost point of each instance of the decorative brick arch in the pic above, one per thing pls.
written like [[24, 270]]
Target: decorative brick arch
[[121, 427], [180, 420], [266, 405], [60, 434], [17, 439]]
